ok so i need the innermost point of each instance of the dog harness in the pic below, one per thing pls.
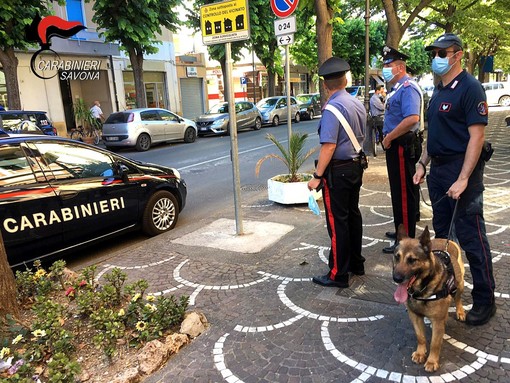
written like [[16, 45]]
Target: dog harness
[[450, 285]]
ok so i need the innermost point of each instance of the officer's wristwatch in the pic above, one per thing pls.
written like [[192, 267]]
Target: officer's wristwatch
[[316, 176]]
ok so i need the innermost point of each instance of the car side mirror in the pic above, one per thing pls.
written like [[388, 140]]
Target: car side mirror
[[121, 171]]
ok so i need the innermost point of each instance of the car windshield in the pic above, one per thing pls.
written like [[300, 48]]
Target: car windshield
[[352, 90], [266, 102], [304, 98], [218, 108]]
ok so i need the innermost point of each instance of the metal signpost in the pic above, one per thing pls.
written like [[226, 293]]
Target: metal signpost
[[225, 22], [284, 29]]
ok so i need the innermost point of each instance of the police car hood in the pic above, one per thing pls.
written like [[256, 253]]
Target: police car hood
[[157, 170]]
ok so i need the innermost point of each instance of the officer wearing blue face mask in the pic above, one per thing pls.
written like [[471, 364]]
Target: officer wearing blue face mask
[[404, 106], [457, 116]]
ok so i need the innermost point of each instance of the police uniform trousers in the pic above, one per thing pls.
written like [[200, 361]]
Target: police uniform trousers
[[343, 217], [400, 163], [469, 224]]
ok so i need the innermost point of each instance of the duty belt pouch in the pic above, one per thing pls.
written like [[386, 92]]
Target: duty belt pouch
[[363, 160], [487, 151]]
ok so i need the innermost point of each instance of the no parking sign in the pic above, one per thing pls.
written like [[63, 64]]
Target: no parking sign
[[284, 8]]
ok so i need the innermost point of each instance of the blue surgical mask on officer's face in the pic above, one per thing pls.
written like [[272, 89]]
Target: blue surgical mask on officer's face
[[441, 66], [388, 74]]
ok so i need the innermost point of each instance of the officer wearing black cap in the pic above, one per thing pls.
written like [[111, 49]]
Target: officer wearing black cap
[[404, 106], [339, 173], [457, 116]]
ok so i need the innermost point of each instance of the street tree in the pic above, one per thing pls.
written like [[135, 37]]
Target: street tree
[[8, 291], [136, 25], [15, 16]]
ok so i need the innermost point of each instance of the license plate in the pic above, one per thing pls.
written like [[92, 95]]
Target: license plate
[[203, 129], [112, 138]]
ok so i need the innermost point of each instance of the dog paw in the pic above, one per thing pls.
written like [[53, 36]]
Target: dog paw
[[418, 358], [461, 316], [431, 366]]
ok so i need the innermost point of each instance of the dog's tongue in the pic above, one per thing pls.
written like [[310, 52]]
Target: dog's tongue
[[400, 294]]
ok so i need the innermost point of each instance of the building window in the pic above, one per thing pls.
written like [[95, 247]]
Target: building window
[[155, 90], [74, 9]]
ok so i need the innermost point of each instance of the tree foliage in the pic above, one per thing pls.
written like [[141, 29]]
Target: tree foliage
[[136, 24]]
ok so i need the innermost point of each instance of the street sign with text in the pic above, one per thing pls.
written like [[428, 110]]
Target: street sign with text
[[285, 26], [224, 22]]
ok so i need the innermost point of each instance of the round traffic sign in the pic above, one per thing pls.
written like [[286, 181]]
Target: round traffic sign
[[284, 8]]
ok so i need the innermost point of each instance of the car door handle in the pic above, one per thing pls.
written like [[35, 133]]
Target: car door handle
[[67, 194]]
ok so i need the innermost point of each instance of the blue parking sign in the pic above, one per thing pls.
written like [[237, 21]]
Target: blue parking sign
[[243, 80]]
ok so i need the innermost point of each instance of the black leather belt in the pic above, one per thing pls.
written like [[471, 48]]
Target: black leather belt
[[341, 162], [441, 160]]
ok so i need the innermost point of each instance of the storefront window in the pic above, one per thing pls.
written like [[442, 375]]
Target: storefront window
[[155, 91]]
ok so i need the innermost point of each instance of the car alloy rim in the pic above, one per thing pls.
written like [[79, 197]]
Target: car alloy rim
[[145, 142], [163, 214]]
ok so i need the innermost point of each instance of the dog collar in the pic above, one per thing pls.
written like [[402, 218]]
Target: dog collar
[[449, 287]]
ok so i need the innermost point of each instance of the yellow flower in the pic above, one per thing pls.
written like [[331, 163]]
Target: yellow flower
[[4, 352], [17, 339], [151, 307], [151, 298], [39, 273], [141, 325], [39, 333], [121, 313], [136, 297]]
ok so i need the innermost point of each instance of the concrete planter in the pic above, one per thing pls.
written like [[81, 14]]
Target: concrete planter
[[288, 193]]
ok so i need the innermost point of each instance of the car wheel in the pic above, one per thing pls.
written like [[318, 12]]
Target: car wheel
[[190, 135], [504, 101], [297, 118], [311, 115], [276, 121], [143, 142], [258, 124], [160, 214]]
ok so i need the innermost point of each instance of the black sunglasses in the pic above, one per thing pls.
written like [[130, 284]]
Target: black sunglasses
[[441, 53]]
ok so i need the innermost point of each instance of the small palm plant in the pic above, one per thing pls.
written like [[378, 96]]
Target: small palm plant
[[293, 157], [84, 116]]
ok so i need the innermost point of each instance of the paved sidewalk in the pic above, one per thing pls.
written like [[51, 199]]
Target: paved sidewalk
[[270, 323]]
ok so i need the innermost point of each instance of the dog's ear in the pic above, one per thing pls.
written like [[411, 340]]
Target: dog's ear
[[401, 233], [425, 240]]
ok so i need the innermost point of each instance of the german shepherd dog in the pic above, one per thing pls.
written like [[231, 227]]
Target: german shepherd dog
[[427, 282]]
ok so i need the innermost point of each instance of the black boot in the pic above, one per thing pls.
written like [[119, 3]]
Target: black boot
[[480, 314]]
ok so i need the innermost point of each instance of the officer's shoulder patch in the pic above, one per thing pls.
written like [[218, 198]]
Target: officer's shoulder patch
[[482, 108], [406, 83]]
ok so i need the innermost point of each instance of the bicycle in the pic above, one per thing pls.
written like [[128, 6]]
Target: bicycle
[[376, 135], [80, 133]]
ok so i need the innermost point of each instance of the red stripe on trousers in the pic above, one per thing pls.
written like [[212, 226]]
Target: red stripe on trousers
[[331, 220], [403, 187]]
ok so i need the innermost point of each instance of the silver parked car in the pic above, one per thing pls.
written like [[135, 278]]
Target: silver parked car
[[146, 126], [274, 109], [216, 120]]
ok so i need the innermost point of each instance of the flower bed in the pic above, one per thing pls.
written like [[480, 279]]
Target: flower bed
[[67, 318]]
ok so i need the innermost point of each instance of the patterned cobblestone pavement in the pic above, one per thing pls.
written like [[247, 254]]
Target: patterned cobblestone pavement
[[270, 323]]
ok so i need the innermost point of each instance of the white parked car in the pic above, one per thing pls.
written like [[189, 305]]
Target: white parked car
[[498, 93], [274, 110], [146, 126]]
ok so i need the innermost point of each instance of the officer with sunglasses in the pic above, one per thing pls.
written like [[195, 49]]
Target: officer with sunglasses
[[457, 116], [404, 106]]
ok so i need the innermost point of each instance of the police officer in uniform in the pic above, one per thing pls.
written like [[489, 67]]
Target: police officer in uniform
[[457, 116], [400, 131], [340, 173]]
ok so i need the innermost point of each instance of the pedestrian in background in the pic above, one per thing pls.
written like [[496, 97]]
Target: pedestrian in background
[[339, 172], [457, 116], [377, 101], [400, 131], [97, 113]]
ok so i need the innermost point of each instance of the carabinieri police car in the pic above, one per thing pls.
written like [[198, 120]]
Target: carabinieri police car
[[58, 194]]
